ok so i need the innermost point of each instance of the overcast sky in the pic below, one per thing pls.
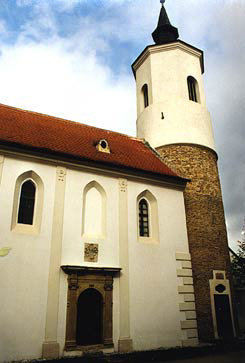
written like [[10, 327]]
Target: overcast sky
[[72, 59]]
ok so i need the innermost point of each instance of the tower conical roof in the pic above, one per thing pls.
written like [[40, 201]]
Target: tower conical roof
[[164, 32]]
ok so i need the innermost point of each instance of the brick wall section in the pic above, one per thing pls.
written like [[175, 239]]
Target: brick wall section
[[205, 222]]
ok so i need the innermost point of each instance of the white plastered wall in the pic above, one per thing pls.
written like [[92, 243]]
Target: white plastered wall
[[74, 239], [26, 268], [166, 69], [154, 300], [153, 283], [24, 271]]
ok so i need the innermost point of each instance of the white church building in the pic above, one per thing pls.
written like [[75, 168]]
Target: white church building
[[96, 231]]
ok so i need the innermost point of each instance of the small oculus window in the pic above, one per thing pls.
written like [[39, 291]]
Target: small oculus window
[[220, 288], [103, 146]]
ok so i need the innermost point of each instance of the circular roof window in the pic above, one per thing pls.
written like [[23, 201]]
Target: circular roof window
[[103, 146]]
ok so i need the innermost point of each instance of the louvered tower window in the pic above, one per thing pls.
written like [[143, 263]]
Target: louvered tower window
[[143, 218], [192, 88], [27, 203]]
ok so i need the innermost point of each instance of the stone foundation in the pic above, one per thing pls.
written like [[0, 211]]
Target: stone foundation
[[50, 350], [125, 345]]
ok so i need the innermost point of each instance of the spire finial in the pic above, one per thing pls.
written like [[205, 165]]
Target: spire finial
[[165, 32]]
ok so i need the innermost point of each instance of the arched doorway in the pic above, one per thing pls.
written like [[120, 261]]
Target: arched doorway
[[89, 318]]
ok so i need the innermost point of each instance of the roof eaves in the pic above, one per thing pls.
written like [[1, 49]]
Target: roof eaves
[[176, 41], [64, 157]]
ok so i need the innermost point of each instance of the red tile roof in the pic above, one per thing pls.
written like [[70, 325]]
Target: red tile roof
[[50, 134]]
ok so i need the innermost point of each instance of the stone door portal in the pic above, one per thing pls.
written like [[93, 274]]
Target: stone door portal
[[221, 305], [89, 307]]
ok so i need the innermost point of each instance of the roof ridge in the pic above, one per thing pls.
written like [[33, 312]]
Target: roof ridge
[[60, 119]]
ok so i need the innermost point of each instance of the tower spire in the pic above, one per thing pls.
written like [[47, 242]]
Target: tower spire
[[164, 32]]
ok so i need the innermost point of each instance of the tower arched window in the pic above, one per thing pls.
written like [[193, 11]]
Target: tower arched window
[[144, 229], [145, 95], [193, 89], [27, 202]]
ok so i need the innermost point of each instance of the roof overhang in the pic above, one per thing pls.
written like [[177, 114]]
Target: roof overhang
[[118, 170], [178, 44]]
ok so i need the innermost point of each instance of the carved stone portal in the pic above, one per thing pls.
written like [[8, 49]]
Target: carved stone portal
[[81, 279]]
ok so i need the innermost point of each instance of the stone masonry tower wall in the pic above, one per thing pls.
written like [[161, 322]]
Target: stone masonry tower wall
[[205, 223], [172, 116]]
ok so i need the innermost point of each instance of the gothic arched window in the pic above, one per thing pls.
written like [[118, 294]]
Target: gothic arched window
[[94, 210], [147, 218], [27, 203], [143, 218], [145, 95], [193, 89]]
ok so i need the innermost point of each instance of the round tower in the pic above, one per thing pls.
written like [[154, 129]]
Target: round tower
[[172, 116]]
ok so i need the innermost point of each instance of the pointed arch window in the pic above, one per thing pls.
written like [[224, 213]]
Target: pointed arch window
[[193, 89], [145, 95], [27, 203], [94, 211], [144, 218], [148, 224]]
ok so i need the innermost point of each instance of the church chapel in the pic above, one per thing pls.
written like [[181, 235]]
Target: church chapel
[[111, 242]]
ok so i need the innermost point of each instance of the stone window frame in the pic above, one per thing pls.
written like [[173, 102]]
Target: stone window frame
[[35, 227], [81, 278]]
